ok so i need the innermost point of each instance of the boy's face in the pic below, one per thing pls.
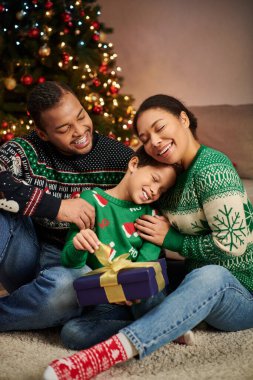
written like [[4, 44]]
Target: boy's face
[[67, 126], [148, 183]]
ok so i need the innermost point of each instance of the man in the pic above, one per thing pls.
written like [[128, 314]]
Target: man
[[38, 175]]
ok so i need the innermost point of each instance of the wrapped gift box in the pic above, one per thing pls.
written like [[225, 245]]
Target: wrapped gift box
[[137, 283]]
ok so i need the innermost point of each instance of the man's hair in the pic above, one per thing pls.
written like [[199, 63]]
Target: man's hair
[[45, 96], [146, 160]]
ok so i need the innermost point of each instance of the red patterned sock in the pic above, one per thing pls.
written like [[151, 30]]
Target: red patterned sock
[[87, 363]]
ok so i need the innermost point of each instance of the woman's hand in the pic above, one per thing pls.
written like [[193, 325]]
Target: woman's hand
[[153, 228], [86, 240]]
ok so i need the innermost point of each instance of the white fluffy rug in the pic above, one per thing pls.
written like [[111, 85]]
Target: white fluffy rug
[[216, 356]]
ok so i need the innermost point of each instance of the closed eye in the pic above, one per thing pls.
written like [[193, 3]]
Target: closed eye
[[160, 128]]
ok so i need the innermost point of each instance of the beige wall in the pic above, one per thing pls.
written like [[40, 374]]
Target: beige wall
[[200, 51]]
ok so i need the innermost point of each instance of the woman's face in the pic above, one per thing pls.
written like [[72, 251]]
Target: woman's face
[[165, 137]]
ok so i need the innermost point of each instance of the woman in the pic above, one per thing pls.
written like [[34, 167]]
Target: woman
[[211, 225]]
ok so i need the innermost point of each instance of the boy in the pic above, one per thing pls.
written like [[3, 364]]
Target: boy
[[116, 211]]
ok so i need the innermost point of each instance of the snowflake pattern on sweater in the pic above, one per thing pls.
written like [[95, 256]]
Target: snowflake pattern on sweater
[[211, 215]]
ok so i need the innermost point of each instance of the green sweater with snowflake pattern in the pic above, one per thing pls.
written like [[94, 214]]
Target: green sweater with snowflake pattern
[[211, 216]]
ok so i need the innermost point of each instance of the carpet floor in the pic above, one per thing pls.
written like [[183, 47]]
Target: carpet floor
[[216, 355]]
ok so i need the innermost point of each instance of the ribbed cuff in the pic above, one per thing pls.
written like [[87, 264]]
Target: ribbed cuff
[[173, 240], [48, 207]]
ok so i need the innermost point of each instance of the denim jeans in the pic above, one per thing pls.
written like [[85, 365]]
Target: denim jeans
[[100, 322], [210, 293], [41, 291]]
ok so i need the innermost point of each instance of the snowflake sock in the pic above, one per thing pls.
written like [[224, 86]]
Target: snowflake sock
[[88, 363]]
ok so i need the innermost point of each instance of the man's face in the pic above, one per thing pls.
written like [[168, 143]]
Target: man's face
[[67, 126]]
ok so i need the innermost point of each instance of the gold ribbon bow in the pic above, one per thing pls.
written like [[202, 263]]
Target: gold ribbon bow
[[109, 278]]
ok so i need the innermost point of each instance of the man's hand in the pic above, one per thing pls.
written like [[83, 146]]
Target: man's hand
[[77, 211], [86, 240]]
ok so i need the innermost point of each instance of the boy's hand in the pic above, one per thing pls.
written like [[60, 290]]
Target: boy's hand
[[77, 211], [86, 240], [152, 228]]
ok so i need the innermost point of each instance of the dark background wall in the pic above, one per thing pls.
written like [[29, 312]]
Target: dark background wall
[[198, 50]]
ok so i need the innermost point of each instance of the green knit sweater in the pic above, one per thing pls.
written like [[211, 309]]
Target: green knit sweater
[[211, 216], [114, 227]]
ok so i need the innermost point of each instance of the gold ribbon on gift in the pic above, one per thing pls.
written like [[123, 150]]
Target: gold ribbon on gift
[[109, 278]]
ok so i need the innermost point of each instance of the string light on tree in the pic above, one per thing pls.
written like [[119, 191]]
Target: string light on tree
[[60, 40]]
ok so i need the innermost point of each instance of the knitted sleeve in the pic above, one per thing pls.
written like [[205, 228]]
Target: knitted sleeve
[[18, 195], [70, 256], [223, 231]]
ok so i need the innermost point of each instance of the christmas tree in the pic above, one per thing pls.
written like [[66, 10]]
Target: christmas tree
[[60, 40]]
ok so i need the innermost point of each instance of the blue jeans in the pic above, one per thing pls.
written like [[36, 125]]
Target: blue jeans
[[41, 291], [100, 322], [210, 293]]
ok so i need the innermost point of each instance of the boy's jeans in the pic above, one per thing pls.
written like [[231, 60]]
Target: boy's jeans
[[100, 322], [41, 291], [210, 293]]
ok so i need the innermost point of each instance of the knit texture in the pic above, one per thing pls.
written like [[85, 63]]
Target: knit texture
[[87, 363], [212, 217], [114, 227], [35, 176]]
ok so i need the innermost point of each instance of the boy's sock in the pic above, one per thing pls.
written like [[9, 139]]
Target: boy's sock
[[188, 339], [88, 363]]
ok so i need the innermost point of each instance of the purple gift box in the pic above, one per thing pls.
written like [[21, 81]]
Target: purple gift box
[[137, 283]]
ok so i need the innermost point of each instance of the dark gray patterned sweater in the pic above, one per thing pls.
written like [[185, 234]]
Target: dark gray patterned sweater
[[34, 177]]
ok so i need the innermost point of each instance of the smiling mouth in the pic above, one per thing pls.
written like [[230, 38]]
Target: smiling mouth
[[145, 195], [82, 141], [165, 149]]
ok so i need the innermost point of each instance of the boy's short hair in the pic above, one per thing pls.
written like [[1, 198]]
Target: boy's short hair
[[145, 160]]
